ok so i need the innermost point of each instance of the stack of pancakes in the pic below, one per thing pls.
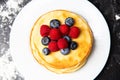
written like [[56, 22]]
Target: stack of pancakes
[[56, 61]]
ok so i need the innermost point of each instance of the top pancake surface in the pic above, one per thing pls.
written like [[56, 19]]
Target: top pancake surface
[[56, 59]]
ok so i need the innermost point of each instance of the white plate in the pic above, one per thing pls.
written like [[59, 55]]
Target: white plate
[[20, 35]]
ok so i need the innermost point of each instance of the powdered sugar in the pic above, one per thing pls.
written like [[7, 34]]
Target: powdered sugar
[[8, 12]]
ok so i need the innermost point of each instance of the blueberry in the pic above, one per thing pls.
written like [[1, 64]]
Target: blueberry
[[67, 38], [69, 21], [45, 40], [73, 45], [65, 51], [46, 51], [54, 23]]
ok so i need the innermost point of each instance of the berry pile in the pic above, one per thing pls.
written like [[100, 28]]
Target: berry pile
[[59, 37]]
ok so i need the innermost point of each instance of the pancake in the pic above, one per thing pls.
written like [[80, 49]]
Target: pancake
[[56, 61]]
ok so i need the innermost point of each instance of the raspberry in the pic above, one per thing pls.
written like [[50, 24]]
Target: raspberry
[[74, 32], [53, 46], [62, 43], [44, 30], [55, 34], [64, 29]]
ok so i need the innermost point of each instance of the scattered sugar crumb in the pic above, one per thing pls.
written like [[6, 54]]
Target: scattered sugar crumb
[[117, 16]]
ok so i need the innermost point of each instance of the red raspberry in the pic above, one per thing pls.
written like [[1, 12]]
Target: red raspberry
[[53, 46], [64, 29], [62, 43], [74, 32], [44, 30], [55, 34]]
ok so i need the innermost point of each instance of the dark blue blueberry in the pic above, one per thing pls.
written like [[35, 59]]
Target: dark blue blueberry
[[73, 45], [46, 51], [67, 38], [69, 21], [54, 23], [65, 51], [45, 40]]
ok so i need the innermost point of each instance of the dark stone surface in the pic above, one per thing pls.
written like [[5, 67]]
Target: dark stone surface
[[110, 10]]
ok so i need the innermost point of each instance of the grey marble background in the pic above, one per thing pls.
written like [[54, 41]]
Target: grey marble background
[[8, 12]]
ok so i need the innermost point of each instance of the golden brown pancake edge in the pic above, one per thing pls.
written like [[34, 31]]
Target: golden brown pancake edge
[[74, 65]]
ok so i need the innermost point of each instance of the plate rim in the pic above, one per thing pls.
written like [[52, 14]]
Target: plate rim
[[53, 0]]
